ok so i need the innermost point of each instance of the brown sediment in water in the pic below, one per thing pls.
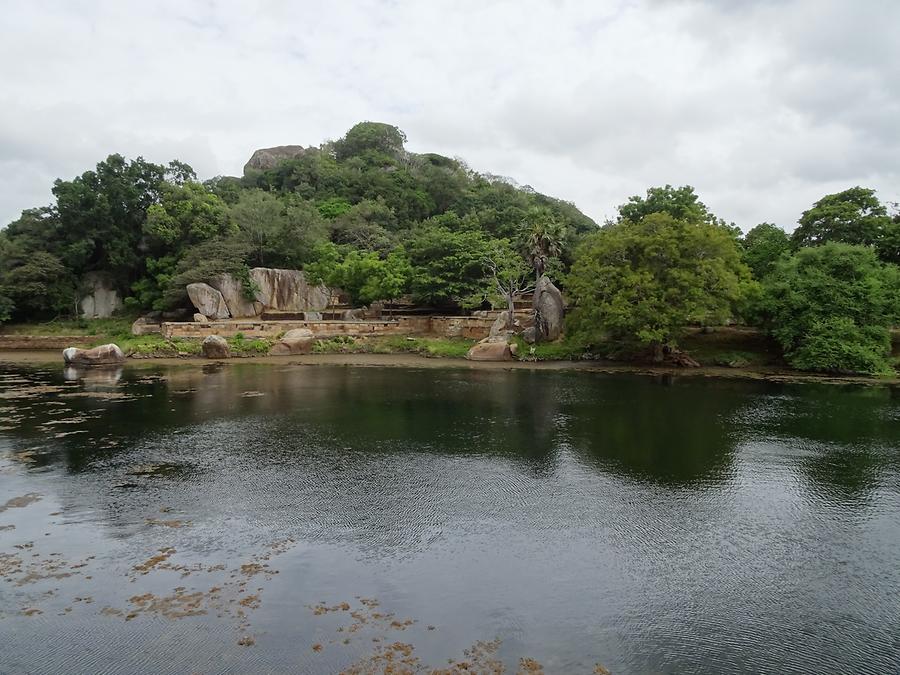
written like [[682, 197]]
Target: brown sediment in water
[[20, 502], [163, 555]]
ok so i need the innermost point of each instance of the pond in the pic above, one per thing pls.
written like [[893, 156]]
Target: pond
[[324, 518]]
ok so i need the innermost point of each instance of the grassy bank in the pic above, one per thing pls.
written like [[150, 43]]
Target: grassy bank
[[725, 346]]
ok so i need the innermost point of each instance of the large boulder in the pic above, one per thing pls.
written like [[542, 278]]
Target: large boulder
[[215, 347], [491, 349], [104, 355], [232, 290], [268, 158], [208, 301], [550, 309], [288, 291], [102, 299], [296, 341]]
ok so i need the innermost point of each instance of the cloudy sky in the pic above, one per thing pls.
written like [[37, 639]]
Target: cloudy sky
[[762, 106]]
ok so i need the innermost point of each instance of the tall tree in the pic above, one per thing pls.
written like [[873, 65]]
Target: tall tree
[[641, 283], [854, 216], [831, 308], [763, 246]]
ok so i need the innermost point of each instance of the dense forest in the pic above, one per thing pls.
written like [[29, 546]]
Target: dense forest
[[364, 214]]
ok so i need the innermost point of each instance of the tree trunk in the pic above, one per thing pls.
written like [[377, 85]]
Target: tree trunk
[[658, 352], [511, 309]]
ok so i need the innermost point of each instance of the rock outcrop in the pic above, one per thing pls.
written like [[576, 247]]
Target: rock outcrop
[[288, 291], [102, 299], [215, 347], [550, 309], [268, 158], [104, 355], [297, 341], [232, 290], [208, 301]]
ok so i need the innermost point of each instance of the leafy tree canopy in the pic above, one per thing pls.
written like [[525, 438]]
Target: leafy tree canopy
[[831, 307], [763, 246], [854, 216], [641, 282]]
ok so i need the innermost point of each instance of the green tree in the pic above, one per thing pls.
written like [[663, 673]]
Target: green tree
[[763, 246], [508, 276], [389, 279], [101, 215], [448, 266], [370, 136], [854, 216], [681, 203], [641, 283], [39, 287], [831, 308], [186, 215]]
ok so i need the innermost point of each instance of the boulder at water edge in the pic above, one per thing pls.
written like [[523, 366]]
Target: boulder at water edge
[[297, 341], [208, 301], [491, 349], [104, 355], [215, 347]]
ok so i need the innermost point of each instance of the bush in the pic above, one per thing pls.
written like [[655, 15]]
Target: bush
[[837, 344], [831, 307]]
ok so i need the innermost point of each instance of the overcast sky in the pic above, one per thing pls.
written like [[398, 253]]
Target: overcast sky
[[762, 106]]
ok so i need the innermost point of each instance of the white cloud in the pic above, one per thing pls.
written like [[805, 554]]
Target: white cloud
[[763, 107]]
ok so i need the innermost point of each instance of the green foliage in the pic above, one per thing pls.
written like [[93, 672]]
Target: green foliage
[[449, 266], [838, 344], [840, 288], [854, 216], [7, 306], [762, 247], [642, 282], [186, 214], [203, 262], [681, 203], [370, 137], [39, 286], [333, 207]]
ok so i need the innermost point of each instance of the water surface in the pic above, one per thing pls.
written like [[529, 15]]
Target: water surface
[[268, 518]]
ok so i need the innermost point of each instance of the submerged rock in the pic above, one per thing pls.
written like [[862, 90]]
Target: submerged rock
[[104, 355], [208, 301], [215, 347]]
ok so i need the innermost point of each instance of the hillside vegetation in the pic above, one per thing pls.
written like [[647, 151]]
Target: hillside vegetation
[[364, 214]]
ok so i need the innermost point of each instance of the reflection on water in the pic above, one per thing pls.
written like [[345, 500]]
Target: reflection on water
[[319, 518]]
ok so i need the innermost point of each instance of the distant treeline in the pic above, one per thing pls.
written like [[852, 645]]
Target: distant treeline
[[364, 214]]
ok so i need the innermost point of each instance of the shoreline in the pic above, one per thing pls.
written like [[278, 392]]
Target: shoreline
[[408, 360]]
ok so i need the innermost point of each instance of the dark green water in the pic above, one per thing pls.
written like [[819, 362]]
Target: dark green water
[[155, 520]]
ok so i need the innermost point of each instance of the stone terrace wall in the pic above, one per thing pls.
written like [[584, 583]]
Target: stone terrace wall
[[443, 326], [38, 342]]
